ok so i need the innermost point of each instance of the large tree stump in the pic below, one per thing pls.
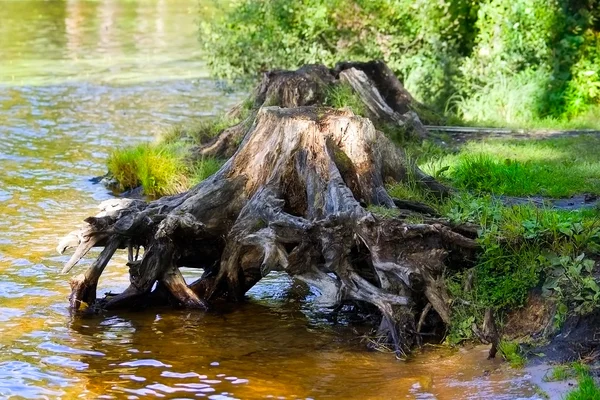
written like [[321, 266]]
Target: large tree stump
[[292, 197]]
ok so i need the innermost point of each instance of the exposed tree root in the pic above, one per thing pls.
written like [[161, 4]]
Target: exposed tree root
[[293, 197]]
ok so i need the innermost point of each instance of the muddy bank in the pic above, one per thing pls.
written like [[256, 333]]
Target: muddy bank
[[544, 342]]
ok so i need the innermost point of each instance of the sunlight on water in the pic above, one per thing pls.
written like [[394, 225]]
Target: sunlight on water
[[78, 78]]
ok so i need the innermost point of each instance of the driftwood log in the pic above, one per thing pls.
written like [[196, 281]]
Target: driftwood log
[[294, 196]]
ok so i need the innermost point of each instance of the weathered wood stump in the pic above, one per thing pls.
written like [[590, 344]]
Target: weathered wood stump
[[292, 197]]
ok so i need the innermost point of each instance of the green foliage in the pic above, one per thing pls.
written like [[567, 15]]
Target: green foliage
[[157, 168], [571, 279], [466, 309], [511, 352], [511, 99], [161, 168], [521, 243], [588, 388], [557, 167], [518, 243], [515, 61]]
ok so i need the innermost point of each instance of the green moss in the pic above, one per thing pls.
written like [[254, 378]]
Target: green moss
[[342, 161]]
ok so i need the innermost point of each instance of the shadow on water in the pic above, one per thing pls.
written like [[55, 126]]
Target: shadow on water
[[269, 347]]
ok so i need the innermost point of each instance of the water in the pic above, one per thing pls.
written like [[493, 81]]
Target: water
[[76, 80]]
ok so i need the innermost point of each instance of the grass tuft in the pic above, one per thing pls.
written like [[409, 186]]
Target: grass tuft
[[560, 373], [205, 168], [159, 168], [342, 95], [588, 389], [511, 351]]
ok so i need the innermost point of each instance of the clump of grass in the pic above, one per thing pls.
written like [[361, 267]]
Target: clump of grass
[[342, 95], [511, 352], [560, 373], [204, 168], [159, 168], [588, 389], [164, 167]]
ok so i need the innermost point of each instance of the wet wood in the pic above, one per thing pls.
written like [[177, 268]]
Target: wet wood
[[292, 197]]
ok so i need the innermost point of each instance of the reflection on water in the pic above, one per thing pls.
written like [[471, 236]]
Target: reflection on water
[[78, 78]]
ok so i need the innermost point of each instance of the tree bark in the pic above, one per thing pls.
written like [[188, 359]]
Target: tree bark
[[293, 197]]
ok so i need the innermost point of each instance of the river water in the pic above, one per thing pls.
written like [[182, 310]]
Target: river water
[[78, 78]]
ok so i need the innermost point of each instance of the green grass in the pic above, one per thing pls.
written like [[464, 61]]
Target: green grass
[[197, 133], [522, 247], [165, 167], [511, 352], [556, 167], [588, 389], [560, 373], [159, 168], [204, 168], [342, 95]]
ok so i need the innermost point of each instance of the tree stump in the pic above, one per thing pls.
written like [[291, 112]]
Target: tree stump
[[292, 197]]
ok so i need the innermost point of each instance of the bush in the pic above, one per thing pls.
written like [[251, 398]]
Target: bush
[[513, 61]]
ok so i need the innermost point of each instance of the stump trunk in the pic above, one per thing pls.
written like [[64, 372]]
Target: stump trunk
[[294, 196]]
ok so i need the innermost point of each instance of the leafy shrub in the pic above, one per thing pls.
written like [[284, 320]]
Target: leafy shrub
[[512, 61]]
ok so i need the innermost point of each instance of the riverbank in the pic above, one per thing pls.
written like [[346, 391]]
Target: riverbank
[[528, 247]]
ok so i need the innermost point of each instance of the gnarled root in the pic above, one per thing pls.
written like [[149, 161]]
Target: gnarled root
[[292, 198]]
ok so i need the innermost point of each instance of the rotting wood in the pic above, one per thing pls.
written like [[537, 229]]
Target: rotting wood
[[292, 197]]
